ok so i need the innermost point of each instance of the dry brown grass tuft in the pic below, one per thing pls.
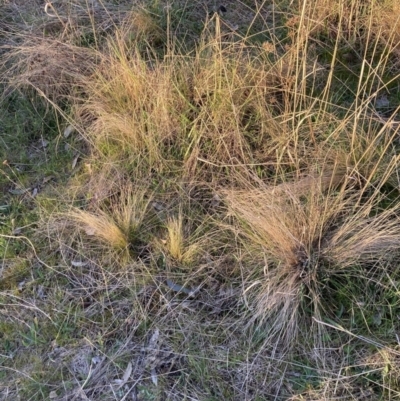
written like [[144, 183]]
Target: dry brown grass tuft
[[116, 221], [177, 241], [185, 243], [132, 106], [99, 226], [287, 223], [301, 233], [53, 46], [53, 68], [189, 112], [364, 238]]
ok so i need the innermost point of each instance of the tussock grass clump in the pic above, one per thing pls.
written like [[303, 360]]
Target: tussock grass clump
[[188, 244], [177, 241], [118, 222], [100, 226], [283, 228], [175, 112], [301, 234], [52, 68]]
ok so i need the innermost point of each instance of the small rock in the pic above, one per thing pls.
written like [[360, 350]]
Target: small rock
[[68, 131]]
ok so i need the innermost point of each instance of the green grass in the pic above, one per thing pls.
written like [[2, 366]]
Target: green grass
[[221, 223]]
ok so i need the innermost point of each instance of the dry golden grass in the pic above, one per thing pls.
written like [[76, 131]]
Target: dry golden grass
[[227, 107], [284, 228], [177, 239], [99, 226], [53, 68], [115, 221], [185, 243], [260, 174], [186, 112], [305, 231], [365, 239]]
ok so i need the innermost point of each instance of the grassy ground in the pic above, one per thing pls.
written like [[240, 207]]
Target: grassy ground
[[199, 201]]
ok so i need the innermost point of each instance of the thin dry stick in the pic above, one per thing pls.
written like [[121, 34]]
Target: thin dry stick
[[48, 6], [366, 339]]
